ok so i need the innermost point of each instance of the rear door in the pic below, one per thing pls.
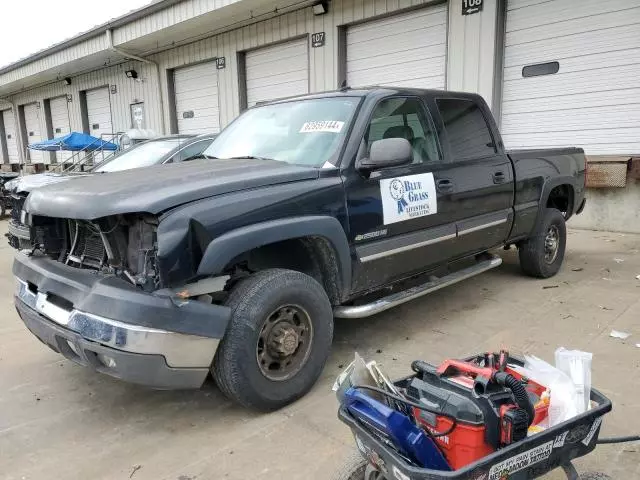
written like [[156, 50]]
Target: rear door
[[479, 182], [398, 221]]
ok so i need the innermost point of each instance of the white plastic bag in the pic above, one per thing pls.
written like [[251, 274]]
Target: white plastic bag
[[577, 365], [562, 404]]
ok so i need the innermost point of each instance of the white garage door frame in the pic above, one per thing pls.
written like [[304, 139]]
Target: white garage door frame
[[32, 130], [433, 17], [95, 115], [293, 79], [200, 98], [60, 123], [592, 101], [10, 140]]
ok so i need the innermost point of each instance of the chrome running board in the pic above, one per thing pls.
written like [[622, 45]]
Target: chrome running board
[[382, 304]]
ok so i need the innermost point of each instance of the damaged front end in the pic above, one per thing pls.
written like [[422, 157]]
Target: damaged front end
[[121, 245]]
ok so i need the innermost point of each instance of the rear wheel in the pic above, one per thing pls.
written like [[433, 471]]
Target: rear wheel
[[541, 255], [278, 339]]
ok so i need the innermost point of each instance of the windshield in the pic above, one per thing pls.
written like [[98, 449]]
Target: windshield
[[304, 132], [143, 155]]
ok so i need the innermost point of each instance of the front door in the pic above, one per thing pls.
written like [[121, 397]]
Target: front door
[[398, 220]]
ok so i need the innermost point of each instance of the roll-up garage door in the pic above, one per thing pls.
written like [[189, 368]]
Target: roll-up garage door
[[99, 112], [277, 71], [32, 124], [10, 137], [196, 96], [60, 124], [404, 50], [571, 75]]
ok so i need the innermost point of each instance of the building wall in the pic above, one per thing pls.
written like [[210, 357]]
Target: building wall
[[128, 91], [471, 41]]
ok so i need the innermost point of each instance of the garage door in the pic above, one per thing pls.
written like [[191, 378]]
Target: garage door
[[60, 122], [197, 106], [571, 75], [277, 71], [99, 112], [10, 137], [32, 124], [405, 50]]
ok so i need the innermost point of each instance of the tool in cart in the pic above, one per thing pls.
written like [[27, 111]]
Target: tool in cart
[[439, 406]]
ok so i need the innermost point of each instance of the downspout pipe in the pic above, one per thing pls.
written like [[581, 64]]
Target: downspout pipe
[[115, 49]]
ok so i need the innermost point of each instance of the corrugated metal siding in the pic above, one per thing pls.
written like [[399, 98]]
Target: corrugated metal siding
[[32, 124], [84, 49], [594, 99], [196, 89], [323, 62], [277, 71], [128, 91], [407, 50], [11, 137]]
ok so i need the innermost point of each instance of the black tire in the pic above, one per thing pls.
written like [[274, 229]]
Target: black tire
[[535, 258], [353, 468], [253, 301], [595, 476]]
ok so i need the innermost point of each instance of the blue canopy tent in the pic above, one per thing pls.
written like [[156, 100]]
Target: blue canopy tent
[[74, 142]]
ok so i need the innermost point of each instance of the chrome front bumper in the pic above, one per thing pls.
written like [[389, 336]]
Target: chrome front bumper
[[179, 350]]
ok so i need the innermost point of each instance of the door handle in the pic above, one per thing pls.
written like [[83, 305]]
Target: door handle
[[499, 177], [445, 185]]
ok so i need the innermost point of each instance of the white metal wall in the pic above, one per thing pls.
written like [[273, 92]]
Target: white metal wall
[[277, 71], [11, 137], [32, 126], [406, 50], [594, 99], [60, 124], [196, 98]]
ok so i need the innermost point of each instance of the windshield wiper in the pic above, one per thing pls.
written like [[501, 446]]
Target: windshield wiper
[[250, 157]]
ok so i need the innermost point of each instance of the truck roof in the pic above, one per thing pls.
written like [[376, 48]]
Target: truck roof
[[376, 90]]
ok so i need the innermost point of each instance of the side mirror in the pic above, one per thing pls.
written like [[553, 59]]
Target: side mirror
[[388, 152]]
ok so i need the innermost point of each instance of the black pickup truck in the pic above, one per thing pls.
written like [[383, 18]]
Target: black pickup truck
[[340, 204]]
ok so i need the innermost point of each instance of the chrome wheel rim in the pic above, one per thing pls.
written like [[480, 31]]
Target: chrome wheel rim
[[551, 244], [284, 342]]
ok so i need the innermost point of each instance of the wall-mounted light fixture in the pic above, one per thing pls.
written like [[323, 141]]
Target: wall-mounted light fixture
[[131, 74], [320, 8], [67, 81]]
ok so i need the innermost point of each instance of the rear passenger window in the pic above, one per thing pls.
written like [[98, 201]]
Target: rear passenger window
[[467, 130]]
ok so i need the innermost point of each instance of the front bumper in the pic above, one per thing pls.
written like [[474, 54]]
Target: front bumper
[[19, 235], [87, 317]]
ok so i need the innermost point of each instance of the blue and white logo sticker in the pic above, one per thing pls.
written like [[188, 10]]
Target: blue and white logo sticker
[[404, 198]]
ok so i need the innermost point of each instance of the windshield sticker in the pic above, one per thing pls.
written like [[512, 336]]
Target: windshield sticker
[[330, 126], [404, 198], [520, 461]]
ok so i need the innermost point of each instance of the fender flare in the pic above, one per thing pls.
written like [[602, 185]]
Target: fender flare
[[226, 247], [550, 185]]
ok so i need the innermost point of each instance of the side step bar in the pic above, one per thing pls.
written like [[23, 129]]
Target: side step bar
[[382, 304]]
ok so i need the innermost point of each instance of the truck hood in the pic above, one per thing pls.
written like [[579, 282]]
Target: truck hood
[[158, 188], [28, 183]]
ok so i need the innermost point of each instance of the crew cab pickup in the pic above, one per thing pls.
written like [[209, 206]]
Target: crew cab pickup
[[340, 204]]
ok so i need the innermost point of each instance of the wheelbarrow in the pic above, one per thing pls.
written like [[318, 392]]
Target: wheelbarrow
[[532, 457]]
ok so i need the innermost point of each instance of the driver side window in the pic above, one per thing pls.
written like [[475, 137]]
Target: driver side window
[[406, 118]]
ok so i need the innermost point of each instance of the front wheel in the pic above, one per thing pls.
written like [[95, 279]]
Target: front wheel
[[541, 255], [277, 341]]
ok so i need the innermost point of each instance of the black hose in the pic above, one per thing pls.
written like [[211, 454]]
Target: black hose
[[631, 438], [400, 399], [519, 392]]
